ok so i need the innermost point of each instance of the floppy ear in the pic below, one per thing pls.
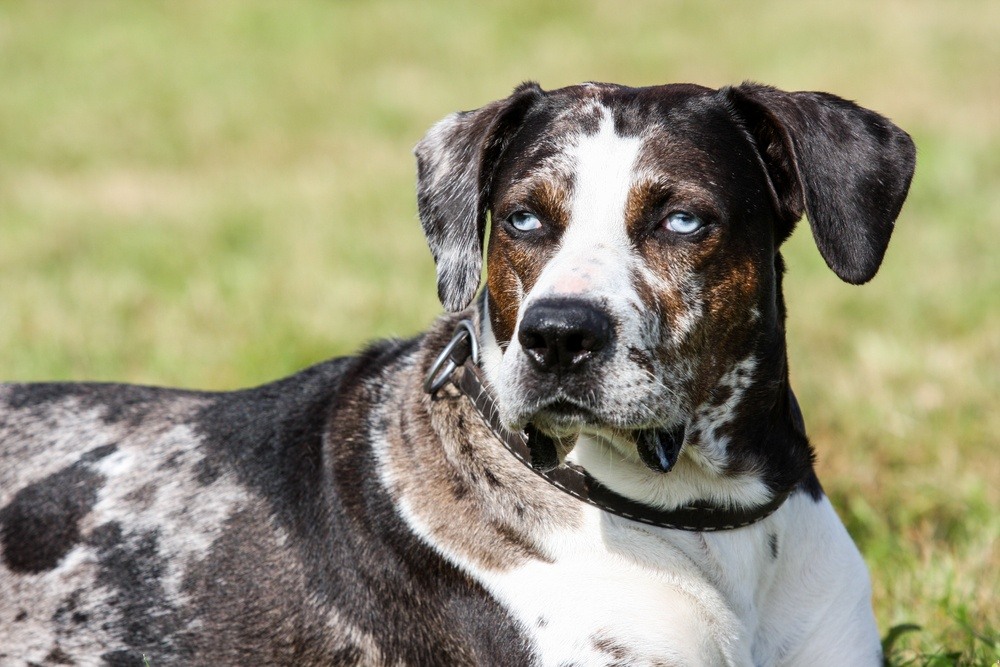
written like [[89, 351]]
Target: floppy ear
[[846, 167], [455, 164]]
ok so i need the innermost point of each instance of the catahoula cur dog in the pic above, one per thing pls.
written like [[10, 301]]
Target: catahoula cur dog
[[598, 460]]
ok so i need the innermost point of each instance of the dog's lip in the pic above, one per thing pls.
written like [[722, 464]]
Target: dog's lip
[[566, 407], [559, 411]]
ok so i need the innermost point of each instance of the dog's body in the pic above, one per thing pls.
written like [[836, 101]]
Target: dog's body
[[345, 516]]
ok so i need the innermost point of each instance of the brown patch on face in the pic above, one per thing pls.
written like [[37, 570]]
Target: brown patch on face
[[469, 492], [512, 269], [665, 304], [551, 199], [734, 289], [733, 322], [514, 263], [547, 197], [641, 202]]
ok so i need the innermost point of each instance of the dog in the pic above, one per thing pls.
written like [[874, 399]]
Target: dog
[[597, 459]]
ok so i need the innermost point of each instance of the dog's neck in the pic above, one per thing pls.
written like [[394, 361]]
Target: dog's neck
[[740, 452]]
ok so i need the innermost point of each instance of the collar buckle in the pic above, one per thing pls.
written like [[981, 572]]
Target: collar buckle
[[463, 344]]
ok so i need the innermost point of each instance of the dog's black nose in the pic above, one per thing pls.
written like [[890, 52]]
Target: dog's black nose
[[563, 334]]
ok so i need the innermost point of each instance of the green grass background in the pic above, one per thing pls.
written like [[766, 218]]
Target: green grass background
[[215, 194]]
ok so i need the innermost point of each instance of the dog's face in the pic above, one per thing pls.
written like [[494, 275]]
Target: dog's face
[[633, 271], [627, 261]]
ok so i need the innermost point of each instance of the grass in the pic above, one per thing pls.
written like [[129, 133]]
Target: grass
[[216, 194]]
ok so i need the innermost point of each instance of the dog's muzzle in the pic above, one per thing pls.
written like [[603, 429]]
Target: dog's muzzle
[[565, 339]]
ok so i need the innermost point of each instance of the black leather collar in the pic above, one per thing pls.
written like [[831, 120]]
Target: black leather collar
[[458, 364]]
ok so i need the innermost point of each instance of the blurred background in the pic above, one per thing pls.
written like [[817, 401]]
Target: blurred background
[[213, 195]]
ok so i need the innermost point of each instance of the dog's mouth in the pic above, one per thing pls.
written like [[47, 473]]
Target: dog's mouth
[[560, 421], [560, 416], [563, 411]]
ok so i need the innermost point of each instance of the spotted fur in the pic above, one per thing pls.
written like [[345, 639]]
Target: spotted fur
[[343, 516]]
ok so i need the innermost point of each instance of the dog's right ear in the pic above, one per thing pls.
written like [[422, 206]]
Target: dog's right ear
[[455, 164], [845, 166]]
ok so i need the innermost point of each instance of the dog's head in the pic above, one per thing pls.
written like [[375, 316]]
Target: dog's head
[[633, 281]]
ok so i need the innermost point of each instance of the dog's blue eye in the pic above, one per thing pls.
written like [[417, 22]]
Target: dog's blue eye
[[683, 223], [523, 221]]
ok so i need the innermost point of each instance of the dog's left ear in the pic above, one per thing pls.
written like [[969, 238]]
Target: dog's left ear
[[455, 164], [846, 167]]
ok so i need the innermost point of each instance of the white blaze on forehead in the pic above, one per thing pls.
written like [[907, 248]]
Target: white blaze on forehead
[[603, 167], [605, 170]]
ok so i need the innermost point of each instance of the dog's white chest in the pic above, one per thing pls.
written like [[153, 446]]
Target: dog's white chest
[[618, 594]]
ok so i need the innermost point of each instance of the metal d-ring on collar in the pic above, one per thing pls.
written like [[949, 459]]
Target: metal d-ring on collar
[[462, 352], [445, 364]]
